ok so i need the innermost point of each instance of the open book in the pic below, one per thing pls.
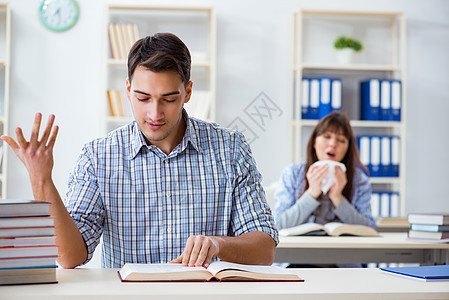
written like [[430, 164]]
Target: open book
[[333, 228], [218, 270]]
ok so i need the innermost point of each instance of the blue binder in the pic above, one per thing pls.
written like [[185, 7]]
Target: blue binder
[[385, 156], [336, 94], [396, 99], [394, 204], [314, 98], [385, 204], [305, 98], [370, 99], [325, 97], [385, 100], [375, 156], [363, 143], [395, 155]]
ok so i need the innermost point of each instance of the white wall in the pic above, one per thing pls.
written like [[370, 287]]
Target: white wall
[[61, 73]]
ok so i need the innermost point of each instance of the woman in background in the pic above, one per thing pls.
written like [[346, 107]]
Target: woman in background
[[299, 198]]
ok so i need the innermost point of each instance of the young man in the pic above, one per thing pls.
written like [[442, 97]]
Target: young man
[[164, 188]]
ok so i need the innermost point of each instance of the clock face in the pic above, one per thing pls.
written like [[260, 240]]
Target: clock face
[[58, 15]]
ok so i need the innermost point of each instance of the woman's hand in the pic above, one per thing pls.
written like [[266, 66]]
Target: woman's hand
[[315, 175], [336, 191]]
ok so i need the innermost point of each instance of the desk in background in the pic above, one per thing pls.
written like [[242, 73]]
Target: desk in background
[[337, 283], [387, 248], [392, 224]]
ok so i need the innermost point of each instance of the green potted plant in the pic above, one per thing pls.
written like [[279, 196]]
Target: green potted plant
[[346, 46]]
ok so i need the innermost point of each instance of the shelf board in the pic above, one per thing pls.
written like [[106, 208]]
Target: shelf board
[[160, 8], [358, 123], [350, 67], [114, 62], [384, 180], [352, 13], [111, 119]]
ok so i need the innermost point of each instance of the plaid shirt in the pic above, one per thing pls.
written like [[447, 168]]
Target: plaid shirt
[[147, 204]]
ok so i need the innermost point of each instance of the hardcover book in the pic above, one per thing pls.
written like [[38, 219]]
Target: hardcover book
[[429, 218], [332, 229], [218, 270], [23, 208]]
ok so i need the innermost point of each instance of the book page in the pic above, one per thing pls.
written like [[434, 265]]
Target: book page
[[228, 270], [162, 272], [301, 229]]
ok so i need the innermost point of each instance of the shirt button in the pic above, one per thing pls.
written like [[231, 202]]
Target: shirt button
[[168, 194], [166, 161], [169, 230]]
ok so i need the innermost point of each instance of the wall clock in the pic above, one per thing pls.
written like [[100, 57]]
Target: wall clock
[[58, 15]]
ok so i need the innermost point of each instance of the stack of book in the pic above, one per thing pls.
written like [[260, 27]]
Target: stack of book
[[429, 226], [27, 243]]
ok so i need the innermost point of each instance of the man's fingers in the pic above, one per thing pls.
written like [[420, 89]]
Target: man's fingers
[[48, 129], [11, 142], [187, 250], [208, 259], [35, 130], [52, 140], [20, 138], [195, 253], [177, 260]]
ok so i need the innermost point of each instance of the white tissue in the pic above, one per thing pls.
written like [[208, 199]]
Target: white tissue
[[330, 178]]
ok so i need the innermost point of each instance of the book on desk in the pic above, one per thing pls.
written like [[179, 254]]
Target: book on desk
[[426, 273], [331, 229], [27, 243], [431, 226], [216, 271]]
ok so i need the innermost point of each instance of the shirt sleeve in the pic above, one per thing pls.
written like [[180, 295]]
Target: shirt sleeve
[[250, 211], [360, 210], [83, 202], [290, 209]]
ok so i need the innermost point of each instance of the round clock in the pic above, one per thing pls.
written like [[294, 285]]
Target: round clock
[[58, 15]]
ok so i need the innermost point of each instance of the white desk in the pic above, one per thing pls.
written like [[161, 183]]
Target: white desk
[[338, 283], [389, 247]]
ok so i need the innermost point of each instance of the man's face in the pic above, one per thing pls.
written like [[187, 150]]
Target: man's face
[[157, 100]]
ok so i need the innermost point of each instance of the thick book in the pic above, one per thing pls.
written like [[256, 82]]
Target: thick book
[[26, 222], [426, 273], [332, 229], [28, 276], [429, 227], [29, 262], [27, 241], [415, 234], [23, 208], [218, 270], [27, 231], [429, 218], [32, 251]]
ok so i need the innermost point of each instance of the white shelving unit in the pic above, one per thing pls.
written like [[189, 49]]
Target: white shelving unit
[[5, 42], [383, 37], [195, 26]]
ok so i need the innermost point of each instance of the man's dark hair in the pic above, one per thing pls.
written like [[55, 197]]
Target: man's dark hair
[[160, 52]]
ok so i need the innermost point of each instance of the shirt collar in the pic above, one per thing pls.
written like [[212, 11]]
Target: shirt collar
[[191, 135]]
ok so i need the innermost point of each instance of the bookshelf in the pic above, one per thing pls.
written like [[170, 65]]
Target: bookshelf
[[5, 42], [383, 56], [195, 26]]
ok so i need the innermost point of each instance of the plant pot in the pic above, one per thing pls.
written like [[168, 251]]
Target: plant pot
[[344, 56]]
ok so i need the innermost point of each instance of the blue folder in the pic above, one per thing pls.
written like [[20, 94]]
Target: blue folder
[[427, 273], [325, 97], [370, 100]]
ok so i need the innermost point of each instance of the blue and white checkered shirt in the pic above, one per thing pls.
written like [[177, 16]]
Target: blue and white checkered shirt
[[147, 204]]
